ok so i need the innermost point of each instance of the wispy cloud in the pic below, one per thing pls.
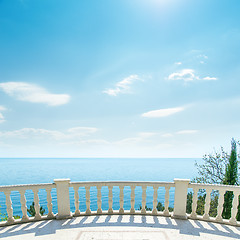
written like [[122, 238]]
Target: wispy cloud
[[202, 58], [210, 78], [33, 93], [87, 142], [163, 112], [32, 133], [39, 133], [2, 119], [182, 132], [187, 132], [188, 75], [82, 131], [146, 134], [131, 140], [123, 86], [2, 108], [185, 74], [167, 135]]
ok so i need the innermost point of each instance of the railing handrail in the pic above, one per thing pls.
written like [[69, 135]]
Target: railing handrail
[[125, 183], [26, 186], [214, 186]]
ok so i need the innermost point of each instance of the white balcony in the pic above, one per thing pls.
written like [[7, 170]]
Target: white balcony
[[119, 223]]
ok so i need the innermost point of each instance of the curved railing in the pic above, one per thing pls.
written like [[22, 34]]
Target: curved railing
[[7, 190], [181, 188], [221, 190]]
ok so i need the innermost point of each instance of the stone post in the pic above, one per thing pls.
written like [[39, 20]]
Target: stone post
[[180, 199], [63, 201]]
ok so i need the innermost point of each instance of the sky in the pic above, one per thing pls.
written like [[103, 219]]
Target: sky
[[103, 78]]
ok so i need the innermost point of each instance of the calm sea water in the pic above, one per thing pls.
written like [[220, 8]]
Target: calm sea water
[[27, 171]]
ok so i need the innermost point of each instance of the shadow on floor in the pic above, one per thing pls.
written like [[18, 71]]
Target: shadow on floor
[[182, 227]]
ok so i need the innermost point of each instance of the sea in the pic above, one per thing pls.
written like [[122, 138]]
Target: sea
[[44, 170]]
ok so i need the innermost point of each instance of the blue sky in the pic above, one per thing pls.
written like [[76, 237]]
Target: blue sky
[[139, 78]]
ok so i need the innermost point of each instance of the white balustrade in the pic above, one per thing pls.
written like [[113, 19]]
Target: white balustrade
[[36, 205], [9, 207], [63, 200], [88, 211], [155, 202], [121, 196], [49, 202], [220, 205], [144, 195], [234, 209], [22, 190], [219, 191], [166, 204], [132, 210], [110, 199], [207, 204], [25, 217], [194, 202], [99, 201], [76, 198]]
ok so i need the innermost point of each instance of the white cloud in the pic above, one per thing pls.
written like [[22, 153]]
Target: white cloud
[[210, 78], [203, 56], [182, 132], [39, 133], [32, 133], [2, 119], [146, 134], [82, 131], [2, 108], [122, 86], [127, 141], [33, 93], [167, 135], [187, 132], [162, 112], [185, 74], [178, 63], [188, 75], [89, 141]]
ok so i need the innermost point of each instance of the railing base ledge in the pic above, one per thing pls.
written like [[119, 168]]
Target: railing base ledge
[[64, 217], [179, 217]]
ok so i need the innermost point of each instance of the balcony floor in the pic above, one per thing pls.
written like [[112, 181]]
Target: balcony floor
[[116, 227]]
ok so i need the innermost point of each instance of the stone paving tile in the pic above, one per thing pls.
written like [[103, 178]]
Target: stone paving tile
[[120, 228]]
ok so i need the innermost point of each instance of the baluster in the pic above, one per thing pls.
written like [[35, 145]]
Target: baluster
[[36, 205], [132, 210], [207, 204], [76, 201], [194, 203], [220, 206], [144, 195], [155, 202], [166, 204], [121, 197], [234, 209], [88, 211], [110, 199], [9, 207], [23, 206], [99, 201], [49, 203]]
